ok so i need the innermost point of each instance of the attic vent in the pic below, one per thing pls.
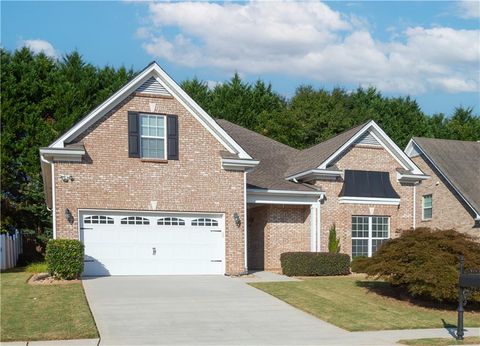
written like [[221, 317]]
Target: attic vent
[[152, 86], [367, 139]]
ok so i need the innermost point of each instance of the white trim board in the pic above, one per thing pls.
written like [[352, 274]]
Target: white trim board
[[259, 196], [153, 70], [369, 200]]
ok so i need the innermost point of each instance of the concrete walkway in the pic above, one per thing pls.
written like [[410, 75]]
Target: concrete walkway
[[215, 310]]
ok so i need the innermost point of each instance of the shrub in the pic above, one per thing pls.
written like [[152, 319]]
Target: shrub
[[314, 263], [333, 241], [425, 262], [65, 258], [359, 264], [37, 267]]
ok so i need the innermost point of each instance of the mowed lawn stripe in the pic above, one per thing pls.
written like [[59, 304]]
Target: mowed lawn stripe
[[347, 303]]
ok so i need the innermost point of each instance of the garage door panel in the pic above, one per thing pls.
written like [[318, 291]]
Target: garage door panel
[[154, 245]]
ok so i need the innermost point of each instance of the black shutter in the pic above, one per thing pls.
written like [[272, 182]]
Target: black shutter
[[133, 135], [172, 137]]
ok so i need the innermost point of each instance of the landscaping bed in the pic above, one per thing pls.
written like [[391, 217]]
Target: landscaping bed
[[359, 304], [43, 311]]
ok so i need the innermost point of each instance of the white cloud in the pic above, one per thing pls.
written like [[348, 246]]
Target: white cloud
[[41, 46], [309, 39], [469, 8]]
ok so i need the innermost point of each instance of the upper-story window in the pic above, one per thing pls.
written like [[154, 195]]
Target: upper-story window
[[152, 136], [426, 207]]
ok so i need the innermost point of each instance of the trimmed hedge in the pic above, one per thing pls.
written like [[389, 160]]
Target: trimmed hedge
[[315, 263], [65, 258]]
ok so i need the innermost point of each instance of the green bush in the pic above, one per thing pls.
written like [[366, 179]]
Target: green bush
[[37, 267], [359, 264], [65, 258], [425, 262], [314, 263]]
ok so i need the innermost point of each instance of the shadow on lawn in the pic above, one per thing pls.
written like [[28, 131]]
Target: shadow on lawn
[[386, 290]]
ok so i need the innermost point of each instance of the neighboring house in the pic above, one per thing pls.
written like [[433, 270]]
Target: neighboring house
[[451, 198], [151, 184]]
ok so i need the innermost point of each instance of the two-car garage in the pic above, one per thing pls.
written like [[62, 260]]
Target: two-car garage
[[151, 243]]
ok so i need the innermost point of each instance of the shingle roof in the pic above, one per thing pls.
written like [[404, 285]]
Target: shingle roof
[[274, 159], [459, 161], [312, 157]]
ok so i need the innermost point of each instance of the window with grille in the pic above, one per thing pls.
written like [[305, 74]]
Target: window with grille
[[368, 234], [170, 221], [135, 220], [98, 220], [204, 222]]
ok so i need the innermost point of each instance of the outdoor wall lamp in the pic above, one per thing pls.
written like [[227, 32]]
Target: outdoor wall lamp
[[66, 178], [236, 218], [68, 216]]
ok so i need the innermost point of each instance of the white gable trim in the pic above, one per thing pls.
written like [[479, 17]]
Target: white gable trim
[[385, 142], [153, 70]]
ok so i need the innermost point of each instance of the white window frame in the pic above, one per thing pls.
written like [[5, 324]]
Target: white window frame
[[424, 208], [153, 137], [370, 232]]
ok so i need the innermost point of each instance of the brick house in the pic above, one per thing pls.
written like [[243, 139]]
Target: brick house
[[451, 197], [152, 185]]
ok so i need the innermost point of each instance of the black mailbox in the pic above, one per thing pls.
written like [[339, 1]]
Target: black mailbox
[[469, 280]]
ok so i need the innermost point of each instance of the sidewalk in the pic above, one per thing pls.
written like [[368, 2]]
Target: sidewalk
[[80, 342]]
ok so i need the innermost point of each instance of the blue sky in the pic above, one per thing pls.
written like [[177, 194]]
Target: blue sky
[[428, 50]]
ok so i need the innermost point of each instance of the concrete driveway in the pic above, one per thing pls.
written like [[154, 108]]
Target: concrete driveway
[[197, 310]]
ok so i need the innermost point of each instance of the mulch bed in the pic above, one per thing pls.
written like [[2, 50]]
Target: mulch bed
[[46, 279]]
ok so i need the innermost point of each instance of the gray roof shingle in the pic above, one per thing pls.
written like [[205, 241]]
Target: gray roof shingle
[[459, 161], [274, 159]]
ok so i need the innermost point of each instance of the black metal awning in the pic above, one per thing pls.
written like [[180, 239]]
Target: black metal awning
[[367, 184]]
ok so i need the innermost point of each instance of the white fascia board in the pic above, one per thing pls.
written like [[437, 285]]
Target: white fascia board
[[369, 200], [411, 177], [420, 150], [154, 70], [260, 196], [315, 172], [386, 143], [239, 164], [62, 154]]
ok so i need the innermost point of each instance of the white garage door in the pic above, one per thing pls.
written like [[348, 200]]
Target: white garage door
[[152, 244]]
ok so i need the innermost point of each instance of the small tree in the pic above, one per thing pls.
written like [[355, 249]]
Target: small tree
[[333, 241], [425, 262]]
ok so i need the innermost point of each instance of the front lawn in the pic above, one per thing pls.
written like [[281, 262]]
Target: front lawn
[[349, 303], [43, 312]]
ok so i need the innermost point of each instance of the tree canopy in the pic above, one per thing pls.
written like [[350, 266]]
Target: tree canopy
[[42, 97]]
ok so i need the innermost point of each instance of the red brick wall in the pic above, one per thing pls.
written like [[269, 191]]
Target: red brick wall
[[448, 209], [368, 158], [276, 229], [109, 179]]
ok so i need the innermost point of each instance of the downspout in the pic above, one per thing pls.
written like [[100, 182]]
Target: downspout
[[245, 230], [54, 221]]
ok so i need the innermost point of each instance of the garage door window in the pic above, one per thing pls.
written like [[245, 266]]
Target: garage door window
[[204, 222], [170, 221], [98, 220], [135, 220]]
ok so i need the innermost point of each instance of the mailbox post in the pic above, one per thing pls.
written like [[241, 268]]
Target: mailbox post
[[465, 280]]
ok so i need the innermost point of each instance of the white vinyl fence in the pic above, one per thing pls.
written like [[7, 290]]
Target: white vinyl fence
[[10, 249]]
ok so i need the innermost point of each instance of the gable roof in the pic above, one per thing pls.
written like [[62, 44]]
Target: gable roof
[[323, 155], [457, 161], [161, 83], [312, 157], [273, 156]]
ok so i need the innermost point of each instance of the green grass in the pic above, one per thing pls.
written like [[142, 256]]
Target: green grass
[[37, 267], [351, 303], [43, 312], [470, 340]]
